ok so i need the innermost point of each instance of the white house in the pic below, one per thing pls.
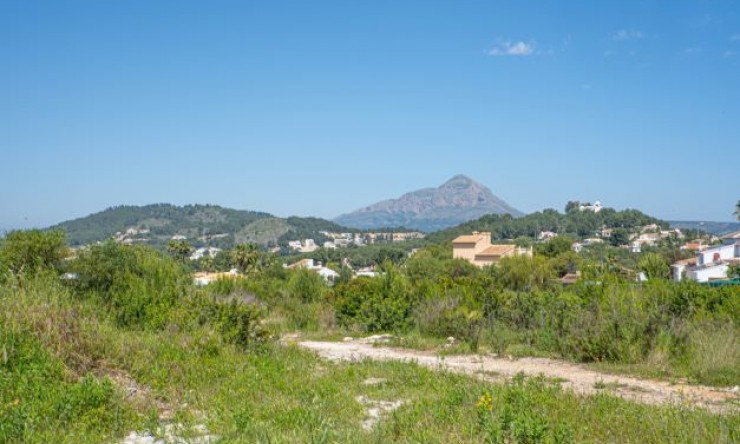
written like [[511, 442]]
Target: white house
[[317, 267], [710, 264], [596, 207], [204, 251], [546, 235]]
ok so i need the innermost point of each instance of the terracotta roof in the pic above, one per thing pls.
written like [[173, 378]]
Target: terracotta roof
[[468, 239], [215, 276], [301, 263], [689, 261], [497, 250]]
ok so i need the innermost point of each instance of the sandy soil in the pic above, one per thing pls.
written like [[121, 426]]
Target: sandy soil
[[573, 377]]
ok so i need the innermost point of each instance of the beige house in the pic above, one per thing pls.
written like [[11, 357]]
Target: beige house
[[477, 249]]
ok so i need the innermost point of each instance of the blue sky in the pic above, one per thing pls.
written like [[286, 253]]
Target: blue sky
[[319, 108]]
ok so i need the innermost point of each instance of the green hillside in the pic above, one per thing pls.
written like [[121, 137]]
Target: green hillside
[[575, 223], [200, 224]]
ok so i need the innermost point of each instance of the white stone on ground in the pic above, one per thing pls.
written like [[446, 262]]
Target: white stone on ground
[[374, 381], [172, 432], [376, 409]]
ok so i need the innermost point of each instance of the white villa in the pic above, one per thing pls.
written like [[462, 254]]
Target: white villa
[[596, 207], [710, 264]]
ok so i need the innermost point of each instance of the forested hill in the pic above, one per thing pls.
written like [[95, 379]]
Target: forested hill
[[575, 223], [200, 224]]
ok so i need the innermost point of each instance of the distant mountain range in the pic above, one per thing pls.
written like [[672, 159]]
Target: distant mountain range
[[718, 228], [201, 224], [458, 200]]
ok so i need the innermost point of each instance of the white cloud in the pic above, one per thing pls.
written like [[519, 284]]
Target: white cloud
[[512, 49], [628, 34]]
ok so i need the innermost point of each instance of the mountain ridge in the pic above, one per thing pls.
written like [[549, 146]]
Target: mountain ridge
[[204, 224], [456, 201]]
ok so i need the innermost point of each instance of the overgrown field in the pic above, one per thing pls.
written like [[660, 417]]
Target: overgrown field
[[70, 349]]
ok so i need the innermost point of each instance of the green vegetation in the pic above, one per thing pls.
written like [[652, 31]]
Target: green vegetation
[[201, 224], [70, 349], [575, 223], [163, 221], [32, 250]]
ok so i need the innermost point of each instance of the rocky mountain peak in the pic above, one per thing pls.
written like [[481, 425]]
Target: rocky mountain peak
[[456, 201]]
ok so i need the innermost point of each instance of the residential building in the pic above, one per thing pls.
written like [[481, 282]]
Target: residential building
[[203, 278], [305, 246], [546, 235], [731, 238], [695, 245], [709, 264], [327, 273], [477, 249], [204, 251], [596, 207]]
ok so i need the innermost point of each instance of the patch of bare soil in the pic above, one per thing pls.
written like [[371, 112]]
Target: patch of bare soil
[[574, 377]]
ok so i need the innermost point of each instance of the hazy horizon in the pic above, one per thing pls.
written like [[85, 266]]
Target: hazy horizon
[[319, 109], [330, 217]]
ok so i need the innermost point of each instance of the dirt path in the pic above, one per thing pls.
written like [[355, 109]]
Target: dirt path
[[573, 377]]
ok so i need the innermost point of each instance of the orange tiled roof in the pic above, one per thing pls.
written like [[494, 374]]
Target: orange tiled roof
[[468, 239], [497, 250]]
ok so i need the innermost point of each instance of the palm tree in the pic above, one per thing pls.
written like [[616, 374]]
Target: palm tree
[[737, 210], [245, 257], [180, 249]]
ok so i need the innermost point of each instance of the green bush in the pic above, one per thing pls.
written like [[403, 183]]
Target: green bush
[[32, 250], [140, 285], [518, 414], [376, 304], [37, 396], [306, 286], [238, 323]]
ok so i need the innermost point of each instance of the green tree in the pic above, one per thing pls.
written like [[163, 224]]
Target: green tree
[[555, 246], [737, 210], [179, 249], [571, 206], [32, 250], [207, 263], [733, 271], [654, 266], [620, 236], [245, 257], [522, 273]]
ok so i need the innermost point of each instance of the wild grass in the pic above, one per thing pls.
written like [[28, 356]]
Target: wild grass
[[54, 388]]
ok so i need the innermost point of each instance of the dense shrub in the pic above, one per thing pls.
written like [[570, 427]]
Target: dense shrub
[[140, 285], [518, 414], [38, 396], [32, 250], [238, 323], [376, 304]]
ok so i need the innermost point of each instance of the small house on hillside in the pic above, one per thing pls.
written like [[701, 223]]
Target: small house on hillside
[[477, 249], [317, 267]]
